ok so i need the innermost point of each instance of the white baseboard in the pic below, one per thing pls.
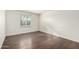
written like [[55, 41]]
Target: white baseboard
[[62, 36]]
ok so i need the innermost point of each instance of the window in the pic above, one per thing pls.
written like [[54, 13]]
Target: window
[[26, 20]]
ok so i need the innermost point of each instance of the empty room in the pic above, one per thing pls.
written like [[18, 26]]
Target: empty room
[[39, 29]]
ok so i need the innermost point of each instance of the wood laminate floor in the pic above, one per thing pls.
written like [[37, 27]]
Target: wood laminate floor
[[38, 40]]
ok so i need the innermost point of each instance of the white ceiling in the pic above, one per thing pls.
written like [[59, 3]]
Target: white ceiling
[[37, 11]]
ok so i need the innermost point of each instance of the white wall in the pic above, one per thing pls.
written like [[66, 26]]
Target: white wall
[[61, 23], [2, 27], [13, 22]]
